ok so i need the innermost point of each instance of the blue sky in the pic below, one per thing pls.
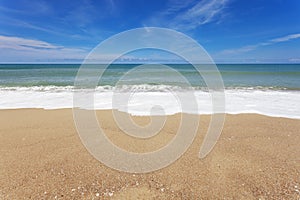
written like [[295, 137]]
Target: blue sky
[[232, 31]]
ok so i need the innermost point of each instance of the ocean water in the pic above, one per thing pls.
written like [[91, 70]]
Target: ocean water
[[270, 89]]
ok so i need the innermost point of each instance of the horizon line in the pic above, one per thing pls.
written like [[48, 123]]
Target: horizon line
[[128, 63]]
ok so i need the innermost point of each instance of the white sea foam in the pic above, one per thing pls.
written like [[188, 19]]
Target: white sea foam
[[277, 103]]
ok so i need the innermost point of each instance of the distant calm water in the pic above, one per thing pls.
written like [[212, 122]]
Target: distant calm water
[[270, 89], [263, 76]]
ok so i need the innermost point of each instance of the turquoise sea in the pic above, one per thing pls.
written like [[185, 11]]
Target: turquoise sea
[[259, 76]]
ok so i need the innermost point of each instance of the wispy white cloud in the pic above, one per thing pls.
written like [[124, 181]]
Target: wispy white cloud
[[17, 43], [78, 20], [175, 6], [40, 8], [202, 13], [10, 10], [248, 48], [189, 14], [241, 49], [18, 21], [17, 49], [294, 60], [286, 38]]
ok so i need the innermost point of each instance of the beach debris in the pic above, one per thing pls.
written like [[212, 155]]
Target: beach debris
[[62, 172], [97, 194], [107, 193], [73, 190], [162, 189], [296, 189]]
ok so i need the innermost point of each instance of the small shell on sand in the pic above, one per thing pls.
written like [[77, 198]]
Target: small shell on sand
[[110, 194]]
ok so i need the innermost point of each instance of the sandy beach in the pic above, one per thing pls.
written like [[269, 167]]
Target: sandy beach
[[42, 157]]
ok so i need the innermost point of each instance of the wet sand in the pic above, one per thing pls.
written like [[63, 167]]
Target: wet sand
[[42, 157]]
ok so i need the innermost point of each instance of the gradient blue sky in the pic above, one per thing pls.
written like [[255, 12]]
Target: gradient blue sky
[[232, 31]]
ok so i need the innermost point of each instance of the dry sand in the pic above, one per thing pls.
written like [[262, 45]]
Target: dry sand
[[42, 157]]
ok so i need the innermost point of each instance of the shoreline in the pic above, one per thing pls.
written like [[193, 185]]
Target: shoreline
[[270, 103], [167, 115], [42, 157]]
